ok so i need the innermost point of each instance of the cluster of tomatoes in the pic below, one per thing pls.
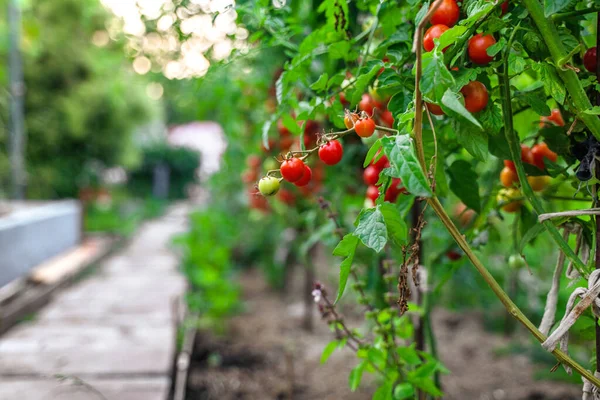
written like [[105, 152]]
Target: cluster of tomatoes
[[371, 176], [535, 155], [445, 16]]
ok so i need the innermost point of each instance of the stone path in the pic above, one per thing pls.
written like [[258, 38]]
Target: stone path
[[109, 337]]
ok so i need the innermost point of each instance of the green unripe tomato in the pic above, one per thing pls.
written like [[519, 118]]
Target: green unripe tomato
[[268, 186], [270, 164], [516, 261]]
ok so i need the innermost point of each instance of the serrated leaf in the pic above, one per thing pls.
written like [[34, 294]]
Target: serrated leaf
[[553, 84], [339, 50], [491, 118], [463, 182], [537, 103], [321, 83], [404, 164], [371, 229], [361, 83], [451, 35], [450, 100], [496, 47], [345, 248], [474, 140], [396, 227], [436, 78], [554, 6]]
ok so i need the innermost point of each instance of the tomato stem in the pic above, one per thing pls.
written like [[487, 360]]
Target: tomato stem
[[515, 150]]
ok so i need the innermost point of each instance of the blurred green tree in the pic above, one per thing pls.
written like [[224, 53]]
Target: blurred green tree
[[82, 101]]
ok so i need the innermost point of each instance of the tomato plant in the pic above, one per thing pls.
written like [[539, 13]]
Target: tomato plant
[[440, 94]]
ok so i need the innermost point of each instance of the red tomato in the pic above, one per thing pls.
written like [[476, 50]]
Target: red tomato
[[249, 176], [331, 152], [366, 104], [554, 118], [589, 60], [504, 7], [372, 193], [382, 163], [453, 255], [434, 109], [343, 100], [253, 161], [433, 32], [292, 169], [371, 175], [446, 14], [476, 96], [306, 177], [526, 157], [287, 197], [394, 190], [478, 46], [541, 151], [365, 127], [387, 118]]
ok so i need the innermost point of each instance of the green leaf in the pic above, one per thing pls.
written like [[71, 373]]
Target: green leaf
[[530, 235], [339, 50], [496, 47], [356, 376], [371, 229], [499, 146], [396, 227], [451, 35], [554, 6], [361, 83], [321, 83], [290, 123], [553, 84], [491, 118], [384, 392], [595, 110], [372, 152], [328, 350], [450, 100], [537, 103], [409, 355], [345, 248], [474, 140], [463, 182], [404, 164], [404, 391], [436, 78]]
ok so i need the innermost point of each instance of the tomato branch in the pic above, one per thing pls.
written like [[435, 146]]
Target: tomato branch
[[438, 208], [515, 150], [555, 45], [567, 15]]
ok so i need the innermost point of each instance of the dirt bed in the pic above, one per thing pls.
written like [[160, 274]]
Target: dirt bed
[[267, 355]]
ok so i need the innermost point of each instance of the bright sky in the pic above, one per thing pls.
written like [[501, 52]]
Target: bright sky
[[163, 51]]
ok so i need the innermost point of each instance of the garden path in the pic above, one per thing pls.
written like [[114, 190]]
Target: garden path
[[108, 337]]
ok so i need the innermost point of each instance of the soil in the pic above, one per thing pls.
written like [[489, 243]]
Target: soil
[[267, 355]]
